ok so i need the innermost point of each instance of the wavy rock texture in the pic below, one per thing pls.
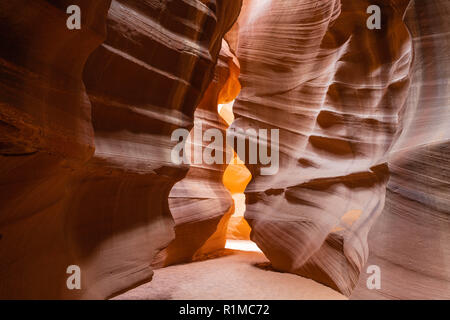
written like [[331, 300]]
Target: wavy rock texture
[[86, 118], [46, 135], [106, 211], [200, 204], [410, 241], [426, 116], [44, 105], [347, 101], [337, 92]]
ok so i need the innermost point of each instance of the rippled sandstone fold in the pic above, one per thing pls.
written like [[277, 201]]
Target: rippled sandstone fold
[[337, 93], [86, 118], [46, 134], [410, 241], [200, 204], [104, 209]]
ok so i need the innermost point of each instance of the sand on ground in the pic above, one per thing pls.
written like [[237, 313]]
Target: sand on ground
[[229, 275]]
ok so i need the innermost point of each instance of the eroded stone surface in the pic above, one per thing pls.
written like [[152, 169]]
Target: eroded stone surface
[[200, 204], [86, 117], [344, 98], [62, 203]]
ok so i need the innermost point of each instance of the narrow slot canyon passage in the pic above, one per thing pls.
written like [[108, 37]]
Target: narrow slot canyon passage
[[235, 178], [239, 271], [118, 178]]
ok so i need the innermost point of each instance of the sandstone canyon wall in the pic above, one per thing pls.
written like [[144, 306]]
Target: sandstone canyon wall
[[46, 135], [200, 204], [411, 239], [345, 100], [86, 118], [86, 174]]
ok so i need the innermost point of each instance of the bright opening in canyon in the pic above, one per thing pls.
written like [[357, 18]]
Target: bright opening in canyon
[[236, 176], [142, 142]]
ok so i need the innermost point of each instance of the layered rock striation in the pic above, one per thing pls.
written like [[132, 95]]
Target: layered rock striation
[[87, 177], [349, 102], [337, 92], [46, 136], [200, 204], [410, 241], [86, 174]]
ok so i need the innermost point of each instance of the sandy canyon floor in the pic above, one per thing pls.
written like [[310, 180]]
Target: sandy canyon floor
[[230, 274]]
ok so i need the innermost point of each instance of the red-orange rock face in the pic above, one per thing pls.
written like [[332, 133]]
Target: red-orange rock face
[[46, 136], [410, 241], [200, 204], [86, 121], [62, 203], [340, 95]]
